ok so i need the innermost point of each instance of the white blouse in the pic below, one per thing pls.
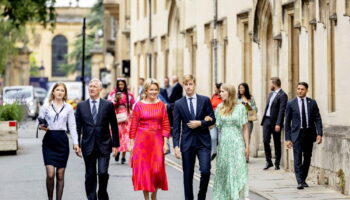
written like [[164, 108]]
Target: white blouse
[[59, 118]]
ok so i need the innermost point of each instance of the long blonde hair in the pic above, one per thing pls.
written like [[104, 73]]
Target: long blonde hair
[[147, 85], [52, 97], [228, 104]]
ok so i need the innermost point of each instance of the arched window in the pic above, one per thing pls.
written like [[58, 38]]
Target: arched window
[[59, 51]]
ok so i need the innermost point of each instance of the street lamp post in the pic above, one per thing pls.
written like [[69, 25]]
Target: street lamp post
[[83, 61]]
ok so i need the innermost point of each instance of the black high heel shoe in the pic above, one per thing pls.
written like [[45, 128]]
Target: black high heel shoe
[[213, 156], [117, 157], [123, 161]]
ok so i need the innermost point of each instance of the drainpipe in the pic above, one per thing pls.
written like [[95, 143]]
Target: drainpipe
[[149, 38], [215, 41]]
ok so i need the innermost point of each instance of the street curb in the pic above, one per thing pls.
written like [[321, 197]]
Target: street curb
[[262, 194], [177, 166]]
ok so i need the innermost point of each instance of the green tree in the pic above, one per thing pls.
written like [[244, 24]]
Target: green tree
[[14, 15], [20, 12]]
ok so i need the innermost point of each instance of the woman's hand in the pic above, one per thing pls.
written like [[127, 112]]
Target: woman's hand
[[131, 146], [44, 128], [247, 153], [208, 119], [165, 148]]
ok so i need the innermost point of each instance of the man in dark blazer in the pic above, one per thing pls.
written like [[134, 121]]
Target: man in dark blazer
[[272, 122], [177, 91], [94, 117], [303, 128], [191, 111]]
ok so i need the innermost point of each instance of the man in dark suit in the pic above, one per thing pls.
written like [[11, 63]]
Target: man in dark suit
[[94, 117], [272, 122], [303, 128], [191, 111], [176, 92]]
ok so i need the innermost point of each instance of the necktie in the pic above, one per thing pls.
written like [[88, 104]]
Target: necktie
[[192, 109], [303, 114], [94, 111]]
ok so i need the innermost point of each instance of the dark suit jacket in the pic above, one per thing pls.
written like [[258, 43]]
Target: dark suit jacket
[[278, 108], [293, 121], [176, 94], [164, 94], [182, 115], [97, 135]]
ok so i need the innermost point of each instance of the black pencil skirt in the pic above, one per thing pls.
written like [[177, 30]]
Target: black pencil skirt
[[56, 148]]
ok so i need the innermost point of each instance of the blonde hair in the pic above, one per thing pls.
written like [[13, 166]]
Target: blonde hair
[[148, 83], [188, 78], [52, 97], [228, 104]]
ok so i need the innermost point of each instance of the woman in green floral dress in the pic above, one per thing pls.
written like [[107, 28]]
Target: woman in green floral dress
[[231, 178]]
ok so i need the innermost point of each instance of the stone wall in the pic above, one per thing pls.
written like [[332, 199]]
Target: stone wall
[[332, 157]]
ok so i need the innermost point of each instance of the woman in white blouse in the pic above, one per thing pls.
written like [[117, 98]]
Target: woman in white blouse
[[58, 115]]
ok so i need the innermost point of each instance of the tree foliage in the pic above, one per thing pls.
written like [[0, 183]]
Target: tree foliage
[[20, 12], [14, 15]]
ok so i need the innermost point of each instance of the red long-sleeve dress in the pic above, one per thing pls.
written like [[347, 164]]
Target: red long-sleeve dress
[[149, 126]]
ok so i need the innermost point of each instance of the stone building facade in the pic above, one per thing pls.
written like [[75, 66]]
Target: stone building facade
[[49, 47], [297, 40], [117, 39]]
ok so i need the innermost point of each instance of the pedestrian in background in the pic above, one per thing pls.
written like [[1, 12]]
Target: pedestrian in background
[[149, 133], [303, 128], [168, 87], [58, 114], [140, 88], [214, 134], [245, 98], [272, 122], [231, 177], [123, 101]]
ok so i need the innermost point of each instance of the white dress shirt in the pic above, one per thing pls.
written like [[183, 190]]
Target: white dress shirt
[[92, 104], [301, 111], [194, 102], [59, 122], [274, 94]]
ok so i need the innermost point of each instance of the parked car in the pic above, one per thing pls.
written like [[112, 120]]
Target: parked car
[[22, 95], [40, 94], [74, 91]]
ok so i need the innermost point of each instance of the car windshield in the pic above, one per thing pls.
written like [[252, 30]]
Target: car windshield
[[17, 93]]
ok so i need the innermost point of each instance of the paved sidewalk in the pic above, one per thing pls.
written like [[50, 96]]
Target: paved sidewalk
[[280, 185]]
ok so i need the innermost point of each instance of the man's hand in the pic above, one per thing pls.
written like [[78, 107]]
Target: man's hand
[[208, 119], [77, 150], [177, 152], [288, 144], [277, 128], [194, 124], [319, 139], [114, 151]]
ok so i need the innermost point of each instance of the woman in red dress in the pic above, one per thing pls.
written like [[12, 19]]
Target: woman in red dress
[[149, 133], [123, 100]]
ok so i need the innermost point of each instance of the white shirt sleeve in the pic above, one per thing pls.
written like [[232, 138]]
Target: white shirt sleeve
[[72, 125]]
